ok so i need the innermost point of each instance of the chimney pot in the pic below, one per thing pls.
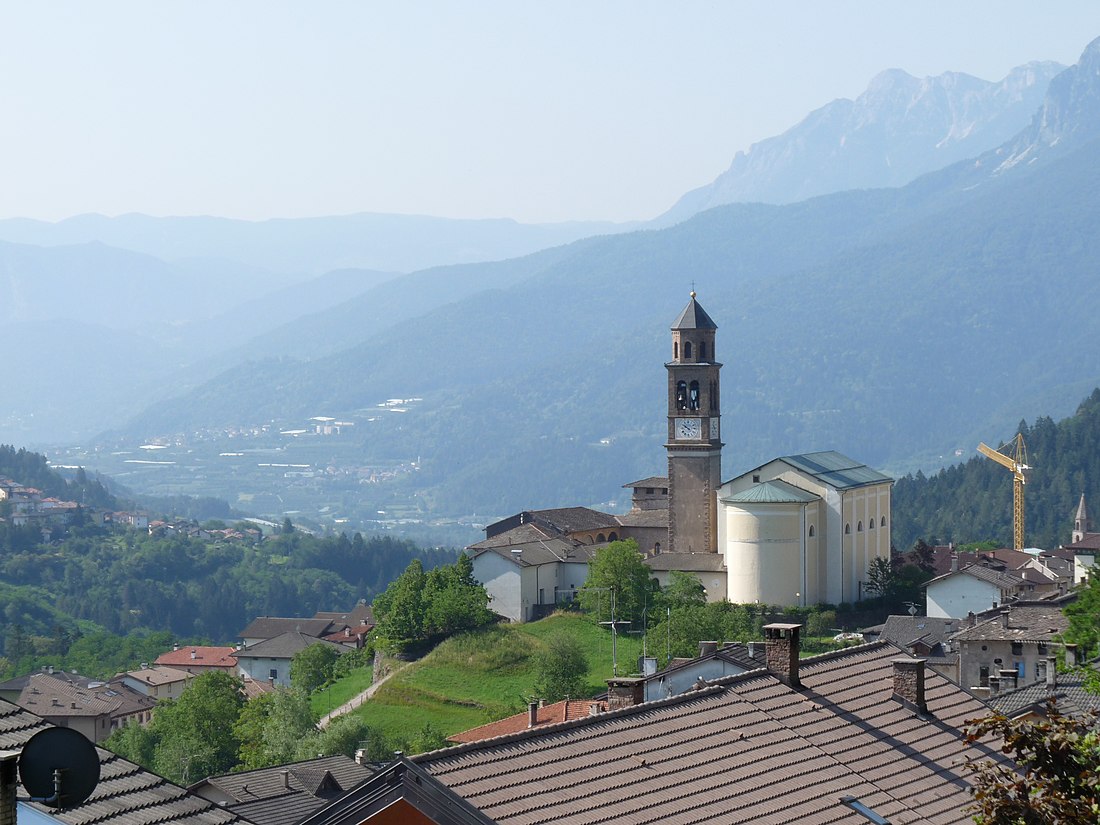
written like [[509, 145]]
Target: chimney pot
[[707, 648], [532, 714], [286, 779], [625, 692], [781, 649], [593, 708], [1008, 679], [1004, 619], [360, 756], [1052, 671], [994, 685], [909, 682]]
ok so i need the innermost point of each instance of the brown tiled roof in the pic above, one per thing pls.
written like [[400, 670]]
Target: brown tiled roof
[[268, 627], [63, 695], [746, 749], [199, 656], [644, 518], [1005, 581], [1090, 543], [160, 675], [1025, 624], [126, 794], [652, 481], [687, 562], [362, 612], [573, 519], [542, 551], [549, 714], [1069, 694], [521, 534]]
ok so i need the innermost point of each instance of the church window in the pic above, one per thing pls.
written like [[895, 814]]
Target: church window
[[882, 523], [681, 395], [847, 529], [811, 531], [656, 548], [871, 524], [693, 396], [702, 350], [859, 527], [687, 350], [612, 536]]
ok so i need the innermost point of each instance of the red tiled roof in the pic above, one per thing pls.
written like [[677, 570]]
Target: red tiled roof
[[202, 657], [563, 711]]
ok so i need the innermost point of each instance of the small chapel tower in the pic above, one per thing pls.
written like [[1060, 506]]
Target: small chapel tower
[[1081, 522], [694, 440]]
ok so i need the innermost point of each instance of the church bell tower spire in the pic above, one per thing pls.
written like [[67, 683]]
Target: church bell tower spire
[[694, 443]]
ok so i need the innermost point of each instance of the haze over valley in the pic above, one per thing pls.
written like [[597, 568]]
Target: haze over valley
[[897, 276]]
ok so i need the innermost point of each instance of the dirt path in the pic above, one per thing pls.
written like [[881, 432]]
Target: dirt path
[[357, 700]]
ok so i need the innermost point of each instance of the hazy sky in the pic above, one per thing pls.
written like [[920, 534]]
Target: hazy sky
[[536, 111]]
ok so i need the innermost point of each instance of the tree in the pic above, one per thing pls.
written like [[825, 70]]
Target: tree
[[400, 610], [1084, 618], [134, 742], [195, 733], [1060, 782], [312, 667], [290, 721], [617, 576], [882, 580], [249, 730], [683, 589], [562, 669]]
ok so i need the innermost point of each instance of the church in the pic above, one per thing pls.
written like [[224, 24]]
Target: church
[[795, 531]]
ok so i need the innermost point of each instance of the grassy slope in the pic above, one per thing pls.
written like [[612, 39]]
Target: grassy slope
[[473, 679]]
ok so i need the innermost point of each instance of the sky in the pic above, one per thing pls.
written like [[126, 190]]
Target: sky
[[539, 112]]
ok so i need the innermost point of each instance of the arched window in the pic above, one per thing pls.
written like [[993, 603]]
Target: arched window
[[847, 529], [871, 524], [883, 522], [859, 527], [601, 538], [675, 350], [702, 350], [612, 536], [693, 396], [656, 548], [681, 395], [687, 350], [811, 531]]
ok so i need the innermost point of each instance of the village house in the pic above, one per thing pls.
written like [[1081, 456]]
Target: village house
[[196, 659], [270, 659], [158, 682], [862, 733]]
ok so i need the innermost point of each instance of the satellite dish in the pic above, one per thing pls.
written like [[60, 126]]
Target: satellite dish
[[59, 767]]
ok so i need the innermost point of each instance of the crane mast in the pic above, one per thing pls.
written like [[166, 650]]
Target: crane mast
[[1017, 463]]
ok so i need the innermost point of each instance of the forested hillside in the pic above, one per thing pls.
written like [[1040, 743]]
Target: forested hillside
[[972, 501], [32, 470]]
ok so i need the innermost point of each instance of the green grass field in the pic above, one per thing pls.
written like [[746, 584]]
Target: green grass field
[[325, 700], [480, 677]]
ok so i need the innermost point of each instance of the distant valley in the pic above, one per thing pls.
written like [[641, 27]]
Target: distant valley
[[471, 390]]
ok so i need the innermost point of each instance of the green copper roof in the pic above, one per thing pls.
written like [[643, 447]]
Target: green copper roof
[[772, 492], [835, 469], [694, 317]]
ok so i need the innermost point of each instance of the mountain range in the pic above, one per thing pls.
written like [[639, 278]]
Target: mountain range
[[896, 325]]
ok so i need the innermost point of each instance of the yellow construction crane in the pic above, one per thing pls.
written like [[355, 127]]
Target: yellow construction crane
[[1017, 463]]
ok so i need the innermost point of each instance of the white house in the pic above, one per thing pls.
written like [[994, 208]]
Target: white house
[[971, 590], [526, 571], [269, 660]]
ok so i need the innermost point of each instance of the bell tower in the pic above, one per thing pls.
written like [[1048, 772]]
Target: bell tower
[[694, 439]]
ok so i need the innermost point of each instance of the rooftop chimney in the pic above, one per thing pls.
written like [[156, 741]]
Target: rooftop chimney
[[909, 682], [954, 562], [532, 714], [1008, 678], [971, 619], [1052, 671], [286, 779], [176, 646], [593, 708], [756, 650], [1071, 655], [360, 756], [194, 655], [707, 648], [994, 685], [1004, 619], [624, 692], [781, 648]]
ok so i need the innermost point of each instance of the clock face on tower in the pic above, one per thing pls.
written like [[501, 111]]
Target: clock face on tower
[[688, 428]]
